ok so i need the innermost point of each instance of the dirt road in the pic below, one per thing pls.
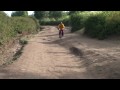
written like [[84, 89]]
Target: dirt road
[[47, 57]]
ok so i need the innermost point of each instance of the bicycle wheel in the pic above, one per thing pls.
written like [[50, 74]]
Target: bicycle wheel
[[60, 36]]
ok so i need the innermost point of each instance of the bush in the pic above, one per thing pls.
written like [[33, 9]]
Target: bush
[[77, 20], [36, 22], [113, 23], [95, 26], [103, 25], [23, 41]]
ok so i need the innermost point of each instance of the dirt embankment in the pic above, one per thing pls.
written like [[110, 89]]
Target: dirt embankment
[[7, 51]]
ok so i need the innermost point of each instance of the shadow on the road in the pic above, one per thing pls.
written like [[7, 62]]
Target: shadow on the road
[[58, 52], [5, 74], [69, 66], [54, 74], [76, 75], [96, 64], [57, 34], [67, 75], [98, 68]]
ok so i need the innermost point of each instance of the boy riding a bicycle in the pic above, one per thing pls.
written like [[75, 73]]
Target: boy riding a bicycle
[[61, 29]]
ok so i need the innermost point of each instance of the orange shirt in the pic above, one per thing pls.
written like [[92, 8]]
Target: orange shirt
[[61, 26]]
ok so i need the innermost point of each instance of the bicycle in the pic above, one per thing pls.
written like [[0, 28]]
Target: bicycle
[[61, 33]]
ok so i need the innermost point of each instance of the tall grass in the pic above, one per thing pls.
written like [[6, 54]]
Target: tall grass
[[24, 25], [10, 27]]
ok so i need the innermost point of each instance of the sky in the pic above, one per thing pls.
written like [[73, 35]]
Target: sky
[[9, 12]]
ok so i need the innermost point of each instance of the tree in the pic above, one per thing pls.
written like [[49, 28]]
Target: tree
[[55, 14], [41, 14], [73, 12], [65, 13], [19, 13]]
